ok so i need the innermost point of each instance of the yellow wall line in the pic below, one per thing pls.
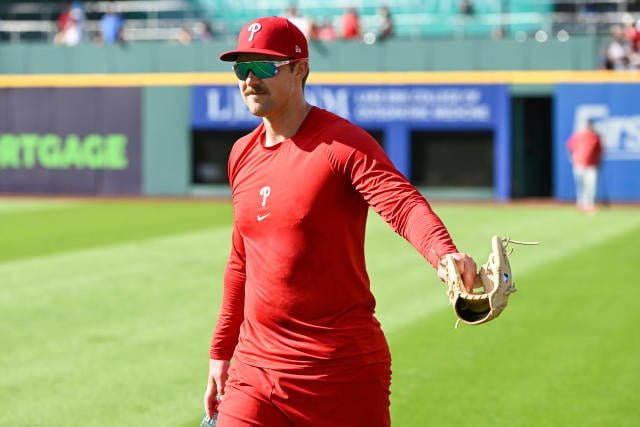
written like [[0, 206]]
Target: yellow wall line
[[441, 77]]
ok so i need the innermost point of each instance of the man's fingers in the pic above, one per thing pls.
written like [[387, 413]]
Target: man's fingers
[[467, 269], [469, 280], [216, 381], [212, 396], [220, 386], [210, 403]]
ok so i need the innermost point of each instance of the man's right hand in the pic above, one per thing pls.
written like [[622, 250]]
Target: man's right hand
[[215, 385]]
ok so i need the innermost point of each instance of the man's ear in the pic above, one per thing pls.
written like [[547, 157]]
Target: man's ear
[[302, 68]]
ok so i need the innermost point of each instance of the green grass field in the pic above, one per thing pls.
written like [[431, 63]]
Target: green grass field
[[107, 309]]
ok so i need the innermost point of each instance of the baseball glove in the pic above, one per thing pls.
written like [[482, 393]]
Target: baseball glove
[[494, 284]]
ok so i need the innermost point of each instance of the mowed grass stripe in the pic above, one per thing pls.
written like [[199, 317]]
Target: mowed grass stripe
[[113, 336], [87, 224], [23, 205]]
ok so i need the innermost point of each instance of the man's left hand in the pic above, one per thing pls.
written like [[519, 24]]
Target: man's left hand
[[467, 268]]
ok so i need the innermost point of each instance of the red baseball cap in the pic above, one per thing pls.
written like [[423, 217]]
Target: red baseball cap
[[270, 35]]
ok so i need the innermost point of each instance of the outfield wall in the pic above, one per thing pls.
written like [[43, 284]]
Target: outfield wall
[[56, 139], [577, 53]]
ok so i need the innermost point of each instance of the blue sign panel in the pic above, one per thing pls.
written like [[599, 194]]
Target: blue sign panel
[[393, 109], [459, 107], [615, 112], [220, 107]]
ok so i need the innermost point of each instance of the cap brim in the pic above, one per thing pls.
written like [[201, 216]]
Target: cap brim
[[232, 55]]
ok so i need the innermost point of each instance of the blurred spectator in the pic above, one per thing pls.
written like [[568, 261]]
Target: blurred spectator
[[498, 33], [633, 35], [385, 22], [350, 24], [74, 31], [466, 8], [616, 54], [184, 36], [64, 19], [302, 22], [326, 32], [202, 31], [111, 26]]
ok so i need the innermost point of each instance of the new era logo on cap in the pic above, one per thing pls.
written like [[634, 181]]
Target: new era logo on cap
[[271, 35]]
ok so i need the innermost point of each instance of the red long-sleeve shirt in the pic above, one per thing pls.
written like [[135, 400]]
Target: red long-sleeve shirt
[[585, 148], [296, 290]]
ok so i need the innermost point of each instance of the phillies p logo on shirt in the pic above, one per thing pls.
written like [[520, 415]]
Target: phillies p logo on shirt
[[264, 193]]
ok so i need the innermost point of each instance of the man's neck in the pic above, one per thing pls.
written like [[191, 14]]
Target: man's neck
[[284, 126]]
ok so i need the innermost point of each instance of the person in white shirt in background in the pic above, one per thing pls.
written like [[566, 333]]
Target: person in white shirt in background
[[303, 23]]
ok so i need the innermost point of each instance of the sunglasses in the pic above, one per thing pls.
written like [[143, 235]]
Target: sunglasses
[[260, 69]]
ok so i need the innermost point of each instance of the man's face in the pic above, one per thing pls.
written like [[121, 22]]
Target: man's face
[[267, 96]]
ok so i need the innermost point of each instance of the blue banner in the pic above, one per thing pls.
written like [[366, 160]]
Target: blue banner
[[395, 110], [425, 106], [615, 112]]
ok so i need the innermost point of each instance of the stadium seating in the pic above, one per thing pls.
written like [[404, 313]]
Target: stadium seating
[[413, 19], [417, 18], [152, 20], [146, 20]]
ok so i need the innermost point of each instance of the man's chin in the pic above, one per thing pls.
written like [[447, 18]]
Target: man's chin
[[259, 113], [258, 110]]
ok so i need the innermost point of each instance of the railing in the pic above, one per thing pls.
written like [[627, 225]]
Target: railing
[[164, 19], [149, 20]]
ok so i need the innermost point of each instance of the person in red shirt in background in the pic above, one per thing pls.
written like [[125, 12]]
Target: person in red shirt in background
[[297, 312], [633, 35], [64, 18], [350, 24], [585, 153], [325, 31]]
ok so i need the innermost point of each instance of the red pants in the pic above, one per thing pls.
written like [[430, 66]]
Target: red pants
[[256, 397]]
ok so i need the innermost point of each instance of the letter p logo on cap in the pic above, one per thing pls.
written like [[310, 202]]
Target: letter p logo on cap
[[253, 29]]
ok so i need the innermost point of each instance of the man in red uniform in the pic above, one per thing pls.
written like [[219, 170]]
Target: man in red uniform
[[297, 313], [585, 152]]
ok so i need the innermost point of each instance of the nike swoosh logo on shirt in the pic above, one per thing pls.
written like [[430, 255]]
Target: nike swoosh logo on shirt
[[261, 217]]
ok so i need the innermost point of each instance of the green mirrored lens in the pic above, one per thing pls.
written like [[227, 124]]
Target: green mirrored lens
[[261, 69]]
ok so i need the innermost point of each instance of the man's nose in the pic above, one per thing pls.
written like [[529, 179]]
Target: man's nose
[[252, 78]]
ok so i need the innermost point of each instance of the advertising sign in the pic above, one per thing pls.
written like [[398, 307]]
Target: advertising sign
[[395, 110], [614, 110], [70, 141], [432, 106]]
